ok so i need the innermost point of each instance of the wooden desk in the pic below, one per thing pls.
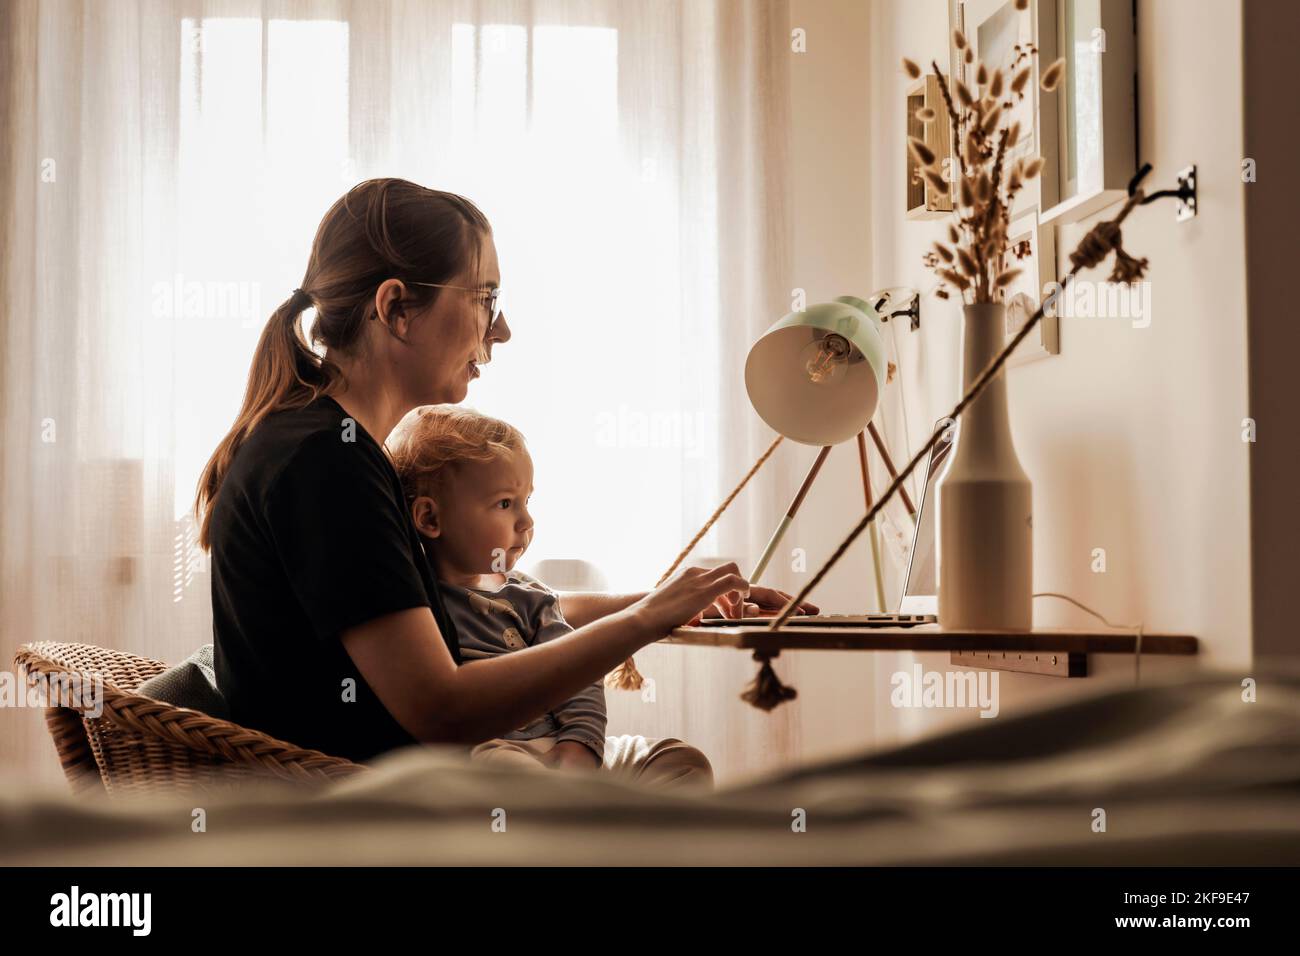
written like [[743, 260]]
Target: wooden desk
[[1058, 652]]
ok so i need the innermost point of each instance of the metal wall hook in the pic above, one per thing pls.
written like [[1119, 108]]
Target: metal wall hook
[[1140, 175], [1185, 193], [891, 303]]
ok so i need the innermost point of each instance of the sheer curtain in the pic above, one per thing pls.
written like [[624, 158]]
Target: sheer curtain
[[165, 168]]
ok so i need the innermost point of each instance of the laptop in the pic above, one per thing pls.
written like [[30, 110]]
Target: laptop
[[919, 601]]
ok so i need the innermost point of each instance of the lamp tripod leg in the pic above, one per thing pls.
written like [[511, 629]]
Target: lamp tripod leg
[[781, 528], [889, 466], [871, 528]]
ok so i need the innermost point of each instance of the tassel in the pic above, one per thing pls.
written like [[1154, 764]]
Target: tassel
[[1104, 238], [625, 676], [766, 690], [1127, 268]]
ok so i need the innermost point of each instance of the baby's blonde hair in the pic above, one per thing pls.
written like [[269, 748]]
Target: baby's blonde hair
[[430, 441]]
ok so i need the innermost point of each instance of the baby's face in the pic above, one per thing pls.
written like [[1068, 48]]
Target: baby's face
[[483, 522]]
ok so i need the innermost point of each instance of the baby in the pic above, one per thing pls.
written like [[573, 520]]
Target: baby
[[468, 479]]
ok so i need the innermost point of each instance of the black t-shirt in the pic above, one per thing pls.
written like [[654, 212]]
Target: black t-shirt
[[310, 536]]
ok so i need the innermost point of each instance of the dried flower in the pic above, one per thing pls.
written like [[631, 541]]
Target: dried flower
[[975, 259], [925, 114], [967, 262], [959, 39], [912, 69], [960, 281], [924, 155], [934, 179], [1006, 277], [1022, 4], [1052, 75]]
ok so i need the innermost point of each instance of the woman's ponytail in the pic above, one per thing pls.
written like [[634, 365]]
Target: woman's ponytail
[[282, 375], [309, 370]]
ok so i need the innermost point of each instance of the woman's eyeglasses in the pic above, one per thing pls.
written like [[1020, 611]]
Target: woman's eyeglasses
[[494, 297]]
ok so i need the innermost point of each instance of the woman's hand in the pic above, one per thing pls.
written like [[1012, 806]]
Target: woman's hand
[[684, 598], [762, 602]]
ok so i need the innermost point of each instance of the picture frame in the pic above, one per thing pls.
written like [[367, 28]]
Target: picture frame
[[923, 200], [1031, 247], [1091, 117], [992, 28]]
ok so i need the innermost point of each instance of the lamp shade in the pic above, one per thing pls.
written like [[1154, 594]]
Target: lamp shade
[[815, 376]]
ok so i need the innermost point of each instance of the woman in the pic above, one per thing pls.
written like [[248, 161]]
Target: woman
[[329, 631]]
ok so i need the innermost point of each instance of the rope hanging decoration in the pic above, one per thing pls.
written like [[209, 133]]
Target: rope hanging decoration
[[626, 676], [766, 690]]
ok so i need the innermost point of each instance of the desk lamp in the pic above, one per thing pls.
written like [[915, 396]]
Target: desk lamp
[[815, 377]]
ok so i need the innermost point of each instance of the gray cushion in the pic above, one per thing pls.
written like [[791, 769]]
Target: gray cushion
[[191, 683]]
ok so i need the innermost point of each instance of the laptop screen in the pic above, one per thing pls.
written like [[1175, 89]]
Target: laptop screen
[[922, 581]]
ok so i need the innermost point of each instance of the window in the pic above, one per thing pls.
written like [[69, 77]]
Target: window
[[524, 120], [263, 153]]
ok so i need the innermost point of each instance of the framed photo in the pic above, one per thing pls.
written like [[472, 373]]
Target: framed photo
[[994, 29], [1090, 118], [923, 200], [1030, 248]]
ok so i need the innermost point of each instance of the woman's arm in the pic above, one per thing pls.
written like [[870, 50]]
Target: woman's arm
[[404, 660], [581, 608]]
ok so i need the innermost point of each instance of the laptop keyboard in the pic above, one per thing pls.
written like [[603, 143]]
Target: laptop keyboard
[[827, 620]]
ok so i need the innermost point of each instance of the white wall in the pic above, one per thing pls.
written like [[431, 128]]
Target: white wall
[[1131, 436]]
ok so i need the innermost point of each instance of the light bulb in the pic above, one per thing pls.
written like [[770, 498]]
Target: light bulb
[[826, 359]]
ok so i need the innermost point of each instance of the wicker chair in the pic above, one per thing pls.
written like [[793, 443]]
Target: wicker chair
[[138, 744]]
